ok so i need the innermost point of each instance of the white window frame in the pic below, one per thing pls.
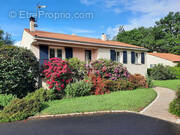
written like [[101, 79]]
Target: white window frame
[[56, 48], [120, 55], [137, 58]]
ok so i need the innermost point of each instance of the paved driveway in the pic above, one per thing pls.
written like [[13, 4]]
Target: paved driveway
[[106, 124]]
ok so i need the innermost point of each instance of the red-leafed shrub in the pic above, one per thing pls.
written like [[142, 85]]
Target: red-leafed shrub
[[99, 84], [138, 81], [57, 73]]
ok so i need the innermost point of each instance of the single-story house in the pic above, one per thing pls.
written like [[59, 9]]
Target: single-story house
[[166, 59], [46, 45]]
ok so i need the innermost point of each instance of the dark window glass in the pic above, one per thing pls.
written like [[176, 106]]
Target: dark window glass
[[142, 58], [59, 53], [133, 57], [113, 55], [125, 57], [87, 55], [52, 53]]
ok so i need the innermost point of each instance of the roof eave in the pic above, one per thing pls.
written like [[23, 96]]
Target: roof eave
[[87, 43]]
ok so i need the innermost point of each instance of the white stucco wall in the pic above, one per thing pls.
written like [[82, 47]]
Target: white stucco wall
[[156, 60], [103, 53], [26, 42], [132, 68]]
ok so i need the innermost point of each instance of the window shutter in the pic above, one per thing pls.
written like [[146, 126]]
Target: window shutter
[[125, 57], [133, 57], [142, 58], [113, 55], [43, 54]]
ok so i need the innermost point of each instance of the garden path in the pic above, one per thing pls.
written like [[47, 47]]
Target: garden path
[[159, 107]]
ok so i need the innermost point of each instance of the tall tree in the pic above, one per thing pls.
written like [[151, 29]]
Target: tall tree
[[5, 38], [163, 37]]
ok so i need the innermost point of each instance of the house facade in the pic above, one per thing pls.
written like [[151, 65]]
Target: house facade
[[47, 45], [166, 59]]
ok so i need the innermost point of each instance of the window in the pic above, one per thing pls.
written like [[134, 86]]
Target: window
[[55, 52], [59, 53], [87, 55], [125, 57], [142, 58], [133, 57], [52, 53], [136, 58], [118, 56]]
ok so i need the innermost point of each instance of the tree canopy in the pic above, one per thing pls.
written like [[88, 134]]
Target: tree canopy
[[5, 38], [164, 36]]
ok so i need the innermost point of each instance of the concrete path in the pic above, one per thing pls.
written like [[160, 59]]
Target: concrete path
[[159, 107]]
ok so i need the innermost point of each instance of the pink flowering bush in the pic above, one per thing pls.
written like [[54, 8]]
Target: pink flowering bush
[[57, 73], [109, 69]]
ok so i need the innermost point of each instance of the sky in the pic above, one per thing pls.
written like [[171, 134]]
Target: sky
[[89, 18]]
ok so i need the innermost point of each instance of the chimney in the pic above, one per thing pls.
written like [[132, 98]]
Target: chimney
[[32, 24], [104, 37]]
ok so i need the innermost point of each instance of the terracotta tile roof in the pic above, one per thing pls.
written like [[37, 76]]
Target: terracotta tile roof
[[167, 56], [78, 38]]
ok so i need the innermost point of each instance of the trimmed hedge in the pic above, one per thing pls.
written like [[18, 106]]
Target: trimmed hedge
[[18, 71]]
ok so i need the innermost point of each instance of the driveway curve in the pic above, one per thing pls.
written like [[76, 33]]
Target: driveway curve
[[101, 124]]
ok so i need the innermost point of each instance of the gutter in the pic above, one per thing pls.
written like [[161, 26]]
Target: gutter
[[36, 38]]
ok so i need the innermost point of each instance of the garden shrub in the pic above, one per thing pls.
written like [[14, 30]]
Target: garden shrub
[[149, 82], [57, 73], [176, 71], [160, 72], [99, 84], [138, 81], [119, 85], [18, 71], [20, 109], [174, 106], [78, 89], [6, 99], [42, 95], [108, 69], [79, 71]]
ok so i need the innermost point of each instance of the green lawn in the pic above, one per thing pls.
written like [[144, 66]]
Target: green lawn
[[134, 100], [171, 84]]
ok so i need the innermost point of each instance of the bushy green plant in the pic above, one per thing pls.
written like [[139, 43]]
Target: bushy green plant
[[20, 109], [178, 65], [108, 69], [174, 106], [119, 85], [160, 72], [149, 82], [18, 71], [176, 71], [5, 100], [42, 95], [77, 89], [78, 69]]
